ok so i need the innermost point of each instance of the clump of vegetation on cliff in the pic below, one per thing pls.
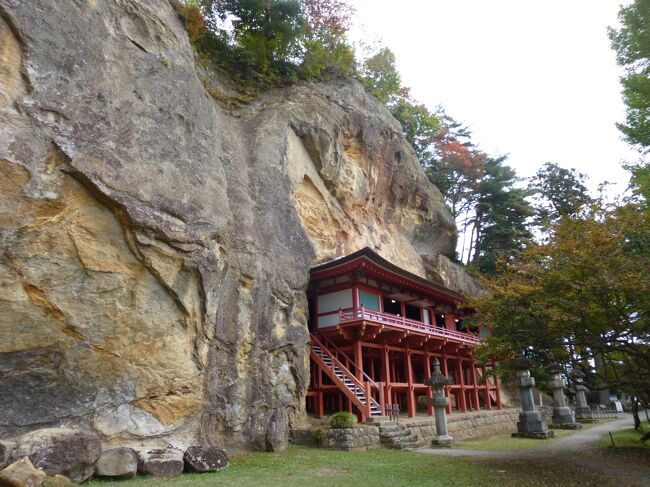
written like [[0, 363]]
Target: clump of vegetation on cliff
[[261, 44]]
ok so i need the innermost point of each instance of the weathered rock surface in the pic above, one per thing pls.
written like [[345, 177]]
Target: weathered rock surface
[[68, 452], [155, 246], [205, 459], [121, 463], [161, 462], [22, 474], [6, 449], [56, 481]]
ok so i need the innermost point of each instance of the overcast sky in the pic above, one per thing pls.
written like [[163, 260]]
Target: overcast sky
[[536, 80]]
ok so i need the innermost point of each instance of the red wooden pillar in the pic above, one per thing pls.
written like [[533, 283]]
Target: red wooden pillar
[[358, 359], [475, 391], [410, 393], [387, 377], [427, 375], [320, 406], [496, 385], [355, 297], [445, 371], [488, 403], [463, 403]]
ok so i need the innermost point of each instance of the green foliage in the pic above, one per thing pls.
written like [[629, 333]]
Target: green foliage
[[632, 45], [261, 43], [420, 126], [380, 76], [319, 436], [343, 420], [501, 216], [581, 295], [560, 192]]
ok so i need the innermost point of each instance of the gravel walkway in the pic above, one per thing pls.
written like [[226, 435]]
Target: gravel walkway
[[623, 467]]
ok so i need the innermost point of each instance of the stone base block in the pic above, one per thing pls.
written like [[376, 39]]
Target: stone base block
[[565, 426], [539, 435], [445, 441], [587, 420]]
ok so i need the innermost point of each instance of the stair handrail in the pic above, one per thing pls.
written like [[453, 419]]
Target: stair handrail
[[331, 345], [357, 383]]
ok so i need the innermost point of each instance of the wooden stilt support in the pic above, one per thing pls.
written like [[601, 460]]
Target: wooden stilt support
[[410, 393], [463, 403], [427, 376], [488, 402], [387, 376], [475, 391], [358, 359]]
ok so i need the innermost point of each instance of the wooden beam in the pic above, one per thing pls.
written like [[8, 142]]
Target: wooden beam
[[410, 393], [427, 376]]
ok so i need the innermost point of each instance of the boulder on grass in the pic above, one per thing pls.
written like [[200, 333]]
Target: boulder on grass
[[205, 459], [161, 462], [22, 474], [68, 452], [57, 481], [119, 463]]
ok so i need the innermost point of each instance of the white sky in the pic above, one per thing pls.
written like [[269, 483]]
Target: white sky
[[536, 80]]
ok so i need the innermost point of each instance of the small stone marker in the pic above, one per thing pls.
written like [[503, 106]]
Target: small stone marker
[[439, 403], [205, 459], [161, 462], [583, 411], [531, 424], [563, 417]]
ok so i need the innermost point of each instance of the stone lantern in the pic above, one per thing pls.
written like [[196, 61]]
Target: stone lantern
[[563, 417], [439, 403], [583, 411], [531, 424]]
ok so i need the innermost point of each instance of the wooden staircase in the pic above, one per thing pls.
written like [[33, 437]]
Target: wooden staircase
[[358, 391]]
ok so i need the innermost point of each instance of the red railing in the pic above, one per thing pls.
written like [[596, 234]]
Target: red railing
[[356, 314], [357, 385], [354, 368]]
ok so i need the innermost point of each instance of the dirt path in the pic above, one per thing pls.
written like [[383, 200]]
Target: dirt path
[[580, 450]]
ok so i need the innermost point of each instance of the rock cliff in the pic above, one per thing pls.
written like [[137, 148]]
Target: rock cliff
[[155, 246]]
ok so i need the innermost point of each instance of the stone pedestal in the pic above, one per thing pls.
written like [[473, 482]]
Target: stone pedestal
[[583, 411], [563, 416], [531, 424], [439, 403]]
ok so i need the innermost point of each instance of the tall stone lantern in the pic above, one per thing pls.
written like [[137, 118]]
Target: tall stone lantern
[[583, 411], [531, 424], [439, 403], [563, 417]]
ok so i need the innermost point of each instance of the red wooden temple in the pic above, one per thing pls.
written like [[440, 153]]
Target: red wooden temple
[[375, 331]]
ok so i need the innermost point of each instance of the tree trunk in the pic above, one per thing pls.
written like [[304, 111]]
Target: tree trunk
[[635, 413]]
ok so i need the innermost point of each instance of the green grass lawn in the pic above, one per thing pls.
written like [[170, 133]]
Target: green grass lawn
[[507, 443], [303, 466], [627, 438]]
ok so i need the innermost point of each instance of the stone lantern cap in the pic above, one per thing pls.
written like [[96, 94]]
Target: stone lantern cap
[[521, 363], [577, 375], [554, 368], [437, 379]]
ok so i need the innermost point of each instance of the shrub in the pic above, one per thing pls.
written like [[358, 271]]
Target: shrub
[[319, 436], [343, 420]]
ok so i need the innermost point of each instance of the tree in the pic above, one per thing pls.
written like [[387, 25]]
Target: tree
[[421, 127], [325, 44], [501, 217], [561, 192], [632, 45], [380, 76], [583, 294]]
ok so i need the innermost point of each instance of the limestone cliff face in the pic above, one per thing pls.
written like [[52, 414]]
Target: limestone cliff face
[[155, 247]]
